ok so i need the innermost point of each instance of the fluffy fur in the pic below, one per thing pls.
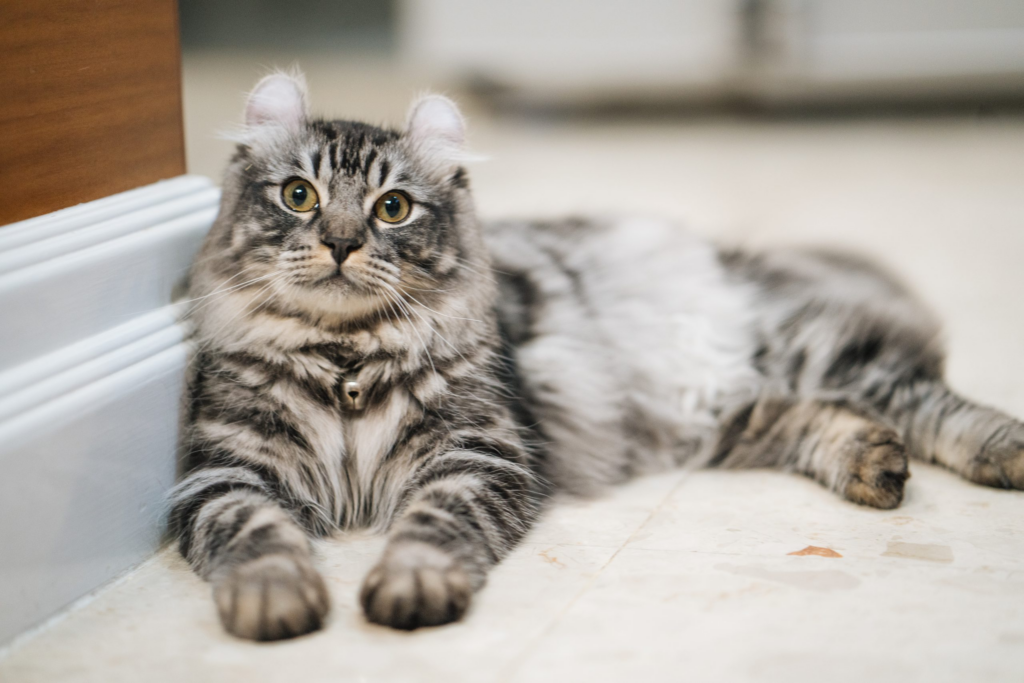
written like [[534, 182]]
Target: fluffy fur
[[499, 363]]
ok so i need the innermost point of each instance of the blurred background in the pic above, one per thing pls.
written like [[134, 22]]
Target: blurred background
[[892, 127]]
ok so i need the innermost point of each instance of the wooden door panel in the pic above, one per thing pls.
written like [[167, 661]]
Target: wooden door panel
[[90, 101]]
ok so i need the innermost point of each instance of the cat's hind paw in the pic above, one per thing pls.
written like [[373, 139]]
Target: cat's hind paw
[[1001, 460], [878, 469]]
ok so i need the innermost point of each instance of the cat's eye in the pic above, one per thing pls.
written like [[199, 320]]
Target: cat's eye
[[393, 207], [299, 195]]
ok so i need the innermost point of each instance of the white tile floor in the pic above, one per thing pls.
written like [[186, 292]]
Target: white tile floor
[[683, 576]]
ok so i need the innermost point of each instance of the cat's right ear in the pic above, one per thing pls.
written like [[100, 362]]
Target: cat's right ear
[[278, 100], [436, 132]]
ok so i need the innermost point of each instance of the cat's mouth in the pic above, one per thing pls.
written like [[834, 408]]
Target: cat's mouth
[[335, 278], [360, 274], [346, 280]]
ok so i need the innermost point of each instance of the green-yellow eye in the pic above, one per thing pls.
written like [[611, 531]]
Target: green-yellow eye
[[298, 195], [392, 208]]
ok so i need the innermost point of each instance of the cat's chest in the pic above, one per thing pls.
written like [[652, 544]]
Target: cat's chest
[[369, 432], [371, 408]]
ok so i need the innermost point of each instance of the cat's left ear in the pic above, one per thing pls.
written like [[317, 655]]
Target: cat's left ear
[[279, 100], [436, 131]]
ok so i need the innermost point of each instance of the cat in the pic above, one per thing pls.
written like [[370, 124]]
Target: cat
[[368, 354]]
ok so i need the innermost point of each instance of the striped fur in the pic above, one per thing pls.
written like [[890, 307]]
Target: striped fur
[[502, 362], [272, 455]]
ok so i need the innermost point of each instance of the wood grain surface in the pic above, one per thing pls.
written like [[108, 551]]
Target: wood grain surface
[[90, 101]]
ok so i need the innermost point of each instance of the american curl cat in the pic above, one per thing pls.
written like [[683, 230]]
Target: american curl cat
[[368, 354]]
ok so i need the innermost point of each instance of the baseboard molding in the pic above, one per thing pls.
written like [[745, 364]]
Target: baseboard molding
[[92, 360]]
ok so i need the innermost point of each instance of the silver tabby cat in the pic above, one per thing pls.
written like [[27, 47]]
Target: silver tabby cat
[[369, 355]]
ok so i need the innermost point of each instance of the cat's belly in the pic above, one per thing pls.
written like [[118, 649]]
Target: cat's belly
[[630, 340]]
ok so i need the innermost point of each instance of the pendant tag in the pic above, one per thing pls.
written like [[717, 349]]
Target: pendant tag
[[352, 396]]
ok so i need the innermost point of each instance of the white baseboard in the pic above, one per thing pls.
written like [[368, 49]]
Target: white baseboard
[[92, 362]]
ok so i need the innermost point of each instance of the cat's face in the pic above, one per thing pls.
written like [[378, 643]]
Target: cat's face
[[344, 218]]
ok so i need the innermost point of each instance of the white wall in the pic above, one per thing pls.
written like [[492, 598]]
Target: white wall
[[92, 361]]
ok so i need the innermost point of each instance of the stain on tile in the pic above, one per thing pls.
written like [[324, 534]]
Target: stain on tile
[[899, 520], [811, 666], [751, 591], [919, 551], [981, 584], [816, 550], [821, 581], [551, 559]]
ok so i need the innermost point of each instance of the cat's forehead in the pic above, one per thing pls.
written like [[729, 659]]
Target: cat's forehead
[[339, 151], [349, 147]]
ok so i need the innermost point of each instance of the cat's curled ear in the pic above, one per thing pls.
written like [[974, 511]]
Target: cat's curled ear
[[436, 132], [278, 100]]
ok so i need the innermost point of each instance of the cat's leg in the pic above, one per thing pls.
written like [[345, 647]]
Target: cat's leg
[[465, 511], [981, 444], [844, 449], [837, 326], [234, 534]]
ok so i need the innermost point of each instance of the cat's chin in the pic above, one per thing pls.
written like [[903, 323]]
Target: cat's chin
[[336, 300]]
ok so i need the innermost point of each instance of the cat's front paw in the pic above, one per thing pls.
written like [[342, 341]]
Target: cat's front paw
[[878, 468], [416, 585], [271, 597]]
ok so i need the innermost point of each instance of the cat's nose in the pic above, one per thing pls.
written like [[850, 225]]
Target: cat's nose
[[341, 247]]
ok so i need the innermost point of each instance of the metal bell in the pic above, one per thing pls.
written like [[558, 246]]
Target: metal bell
[[352, 395]]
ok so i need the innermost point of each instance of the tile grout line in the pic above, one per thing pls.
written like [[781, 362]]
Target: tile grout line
[[511, 671]]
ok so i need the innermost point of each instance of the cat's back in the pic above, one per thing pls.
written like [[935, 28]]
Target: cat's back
[[634, 278]]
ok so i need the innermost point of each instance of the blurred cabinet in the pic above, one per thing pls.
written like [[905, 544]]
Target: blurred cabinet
[[564, 50], [894, 48]]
